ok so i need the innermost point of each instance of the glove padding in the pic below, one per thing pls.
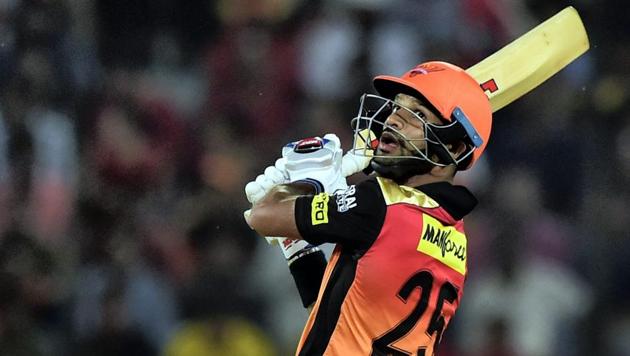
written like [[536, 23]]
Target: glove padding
[[273, 175], [295, 249], [316, 159], [258, 188]]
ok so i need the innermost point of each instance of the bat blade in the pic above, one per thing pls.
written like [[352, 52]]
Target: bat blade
[[528, 61]]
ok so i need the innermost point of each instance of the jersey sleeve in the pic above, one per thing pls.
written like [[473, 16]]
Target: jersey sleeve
[[308, 273], [352, 218]]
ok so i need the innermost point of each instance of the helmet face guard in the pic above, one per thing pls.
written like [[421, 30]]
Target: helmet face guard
[[432, 148]]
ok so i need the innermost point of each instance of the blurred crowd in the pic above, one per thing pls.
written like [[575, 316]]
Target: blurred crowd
[[128, 130]]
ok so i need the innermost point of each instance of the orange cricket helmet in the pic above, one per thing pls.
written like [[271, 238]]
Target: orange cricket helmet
[[452, 92]]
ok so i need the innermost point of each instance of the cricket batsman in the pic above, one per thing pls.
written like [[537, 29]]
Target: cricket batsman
[[397, 273]]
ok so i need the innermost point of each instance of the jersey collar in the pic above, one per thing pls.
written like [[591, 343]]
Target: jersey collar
[[457, 200]]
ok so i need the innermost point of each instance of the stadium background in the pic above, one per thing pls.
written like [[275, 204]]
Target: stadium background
[[128, 130]]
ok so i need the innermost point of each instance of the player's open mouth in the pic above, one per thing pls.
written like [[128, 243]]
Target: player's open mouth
[[388, 142]]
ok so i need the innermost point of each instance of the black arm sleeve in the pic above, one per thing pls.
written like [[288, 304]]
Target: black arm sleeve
[[352, 218], [308, 273]]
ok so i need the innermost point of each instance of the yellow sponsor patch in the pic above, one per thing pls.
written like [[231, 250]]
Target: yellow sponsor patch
[[443, 243], [319, 209]]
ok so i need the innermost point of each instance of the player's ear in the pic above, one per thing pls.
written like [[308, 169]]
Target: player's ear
[[457, 149], [444, 171]]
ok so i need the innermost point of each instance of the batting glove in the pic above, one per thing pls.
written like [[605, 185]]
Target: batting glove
[[316, 161], [273, 175]]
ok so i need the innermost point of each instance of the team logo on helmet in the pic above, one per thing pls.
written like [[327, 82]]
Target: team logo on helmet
[[424, 68]]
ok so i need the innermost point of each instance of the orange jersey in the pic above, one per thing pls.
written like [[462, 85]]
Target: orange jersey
[[397, 274]]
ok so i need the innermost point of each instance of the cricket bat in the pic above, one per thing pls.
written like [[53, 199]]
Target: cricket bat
[[512, 71], [528, 61]]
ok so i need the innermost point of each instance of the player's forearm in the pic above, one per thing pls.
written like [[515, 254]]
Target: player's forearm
[[274, 214], [289, 191]]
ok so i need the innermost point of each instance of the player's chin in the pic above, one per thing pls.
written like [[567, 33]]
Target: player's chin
[[387, 159]]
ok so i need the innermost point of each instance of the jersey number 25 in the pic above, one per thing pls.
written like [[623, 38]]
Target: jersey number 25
[[424, 281]]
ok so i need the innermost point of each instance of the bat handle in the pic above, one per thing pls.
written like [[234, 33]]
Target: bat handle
[[352, 163]]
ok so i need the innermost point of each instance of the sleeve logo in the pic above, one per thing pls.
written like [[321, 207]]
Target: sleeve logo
[[319, 209], [443, 243], [346, 200]]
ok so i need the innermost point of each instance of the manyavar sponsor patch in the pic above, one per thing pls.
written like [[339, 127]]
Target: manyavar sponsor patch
[[319, 209], [443, 243]]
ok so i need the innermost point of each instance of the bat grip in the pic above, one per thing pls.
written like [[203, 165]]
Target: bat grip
[[351, 164]]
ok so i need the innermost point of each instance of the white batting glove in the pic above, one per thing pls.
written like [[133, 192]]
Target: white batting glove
[[359, 157], [316, 159], [294, 249], [323, 163], [258, 188], [273, 175]]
